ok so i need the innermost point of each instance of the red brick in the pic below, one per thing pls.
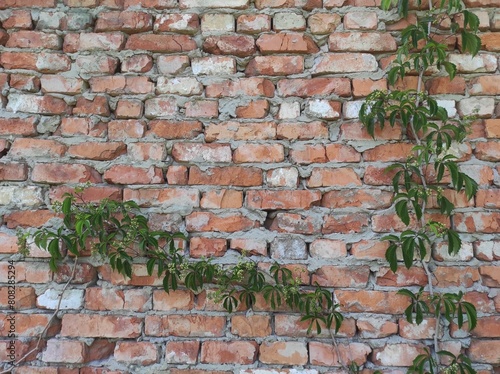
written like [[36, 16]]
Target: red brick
[[188, 23], [58, 84], [307, 153], [156, 4], [53, 173], [128, 22], [374, 327], [174, 129], [488, 151], [254, 109], [362, 87], [137, 353], [13, 171], [235, 352], [325, 177], [97, 64], [328, 248], [251, 326], [191, 325], [18, 19], [284, 353], [25, 148], [94, 325], [236, 45], [388, 152], [109, 299], [29, 325], [90, 194], [126, 174], [98, 106], [259, 153], [84, 273], [242, 86], [403, 277], [93, 42], [291, 325], [282, 199], [443, 85], [487, 222], [206, 221], [240, 131], [492, 128], [363, 198], [324, 354], [18, 60], [30, 272], [490, 41], [302, 131], [129, 109], [253, 23], [25, 297], [315, 86], [8, 243], [28, 218], [484, 351], [332, 63], [361, 20], [67, 351], [177, 174], [371, 301], [97, 151], [323, 23], [275, 65], [21, 350], [160, 107], [23, 82], [356, 131], [345, 277], [164, 197], [160, 43], [137, 64], [226, 176], [126, 129], [33, 39], [207, 247], [27, 3], [306, 5], [294, 223], [121, 85], [202, 109], [81, 3], [182, 352], [400, 354], [286, 43], [37, 104]]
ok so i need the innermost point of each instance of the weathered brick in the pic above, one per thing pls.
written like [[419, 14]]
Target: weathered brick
[[206, 221], [285, 353], [129, 109], [214, 65], [236, 4], [323, 23], [331, 63], [94, 325], [109, 299], [18, 19], [302, 131], [397, 354], [314, 87], [33, 39], [295, 223], [128, 22], [174, 129], [127, 174], [253, 23], [240, 131], [236, 45], [324, 354], [37, 104], [345, 277], [286, 43], [97, 151], [93, 42], [254, 109], [160, 43], [235, 352], [54, 173], [97, 105], [192, 325], [207, 247], [241, 87], [182, 352], [282, 199], [259, 153], [27, 148], [138, 353], [275, 65], [214, 22]]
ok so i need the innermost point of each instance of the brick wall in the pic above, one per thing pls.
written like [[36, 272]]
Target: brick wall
[[234, 121]]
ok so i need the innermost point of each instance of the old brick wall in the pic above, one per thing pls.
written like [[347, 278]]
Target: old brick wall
[[234, 121]]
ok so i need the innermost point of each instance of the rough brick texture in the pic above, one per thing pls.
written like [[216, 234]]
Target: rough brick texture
[[235, 120]]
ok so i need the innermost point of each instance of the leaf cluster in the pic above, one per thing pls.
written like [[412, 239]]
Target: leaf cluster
[[119, 233]]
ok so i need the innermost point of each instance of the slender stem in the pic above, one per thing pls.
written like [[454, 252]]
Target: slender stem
[[337, 352], [49, 323]]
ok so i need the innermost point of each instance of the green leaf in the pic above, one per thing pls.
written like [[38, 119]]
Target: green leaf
[[402, 211], [450, 68], [391, 257], [454, 242], [470, 42]]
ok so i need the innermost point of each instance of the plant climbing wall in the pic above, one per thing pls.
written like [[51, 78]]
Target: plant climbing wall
[[237, 123]]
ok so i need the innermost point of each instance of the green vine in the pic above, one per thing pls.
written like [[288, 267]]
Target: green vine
[[429, 169], [119, 233]]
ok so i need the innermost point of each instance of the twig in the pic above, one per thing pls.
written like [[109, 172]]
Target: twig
[[47, 326], [337, 351]]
